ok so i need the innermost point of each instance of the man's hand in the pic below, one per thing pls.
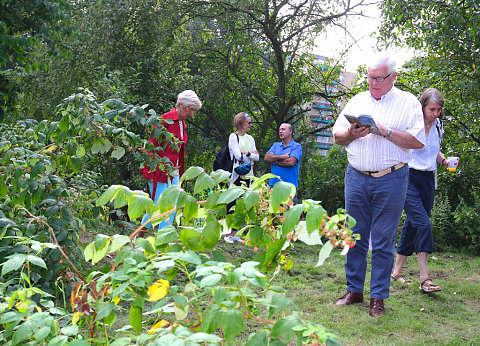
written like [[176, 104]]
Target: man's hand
[[358, 131], [344, 137]]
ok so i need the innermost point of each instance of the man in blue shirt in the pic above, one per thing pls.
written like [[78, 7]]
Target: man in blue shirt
[[285, 157]]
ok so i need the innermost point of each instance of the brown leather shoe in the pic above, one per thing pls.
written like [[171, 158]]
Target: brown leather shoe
[[377, 307], [350, 298]]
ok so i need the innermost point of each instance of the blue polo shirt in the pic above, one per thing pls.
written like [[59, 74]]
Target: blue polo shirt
[[287, 174]]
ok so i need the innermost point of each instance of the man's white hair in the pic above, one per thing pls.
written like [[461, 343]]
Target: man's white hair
[[382, 60]]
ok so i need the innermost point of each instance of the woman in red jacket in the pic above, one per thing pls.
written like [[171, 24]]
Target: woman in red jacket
[[187, 104]]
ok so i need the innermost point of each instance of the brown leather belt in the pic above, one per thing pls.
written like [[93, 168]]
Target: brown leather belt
[[378, 174]]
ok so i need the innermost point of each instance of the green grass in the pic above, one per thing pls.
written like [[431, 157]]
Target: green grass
[[448, 317]]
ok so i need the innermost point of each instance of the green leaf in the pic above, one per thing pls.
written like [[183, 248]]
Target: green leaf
[[324, 253], [192, 239], [138, 204], [191, 208], [220, 176], [118, 241], [210, 280], [97, 147], [89, 251], [191, 173], [145, 244], [292, 218], [258, 183], [230, 195], [122, 197], [37, 261], [22, 333], [106, 146], [285, 327], [99, 253], [110, 319], [277, 302], [135, 318], [64, 123], [204, 181], [281, 192], [80, 152], [259, 338], [70, 330], [251, 199], [232, 323], [100, 241], [118, 153], [78, 342], [108, 195], [14, 263], [218, 256], [166, 235], [273, 251], [103, 310], [314, 218], [41, 334], [211, 234], [220, 294], [169, 198], [3, 189], [59, 340], [50, 211]]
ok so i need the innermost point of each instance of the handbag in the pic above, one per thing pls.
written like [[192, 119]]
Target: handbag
[[243, 169]]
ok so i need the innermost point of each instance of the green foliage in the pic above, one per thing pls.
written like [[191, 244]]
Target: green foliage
[[39, 225], [444, 234], [324, 176]]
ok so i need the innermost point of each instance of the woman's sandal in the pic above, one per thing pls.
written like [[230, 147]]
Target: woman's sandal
[[400, 278], [428, 286]]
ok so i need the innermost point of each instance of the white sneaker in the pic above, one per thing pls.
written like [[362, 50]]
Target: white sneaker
[[228, 239]]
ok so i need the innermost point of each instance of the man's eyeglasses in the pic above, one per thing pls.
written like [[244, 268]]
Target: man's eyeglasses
[[192, 108], [379, 79]]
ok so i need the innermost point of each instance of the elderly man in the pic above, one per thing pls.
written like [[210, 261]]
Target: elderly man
[[376, 178], [285, 157]]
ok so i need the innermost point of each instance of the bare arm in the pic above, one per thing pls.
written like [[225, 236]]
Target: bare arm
[[441, 159], [272, 158], [288, 162], [401, 138]]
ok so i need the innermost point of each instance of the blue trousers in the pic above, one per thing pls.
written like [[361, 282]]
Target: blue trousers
[[376, 204], [158, 192], [417, 231]]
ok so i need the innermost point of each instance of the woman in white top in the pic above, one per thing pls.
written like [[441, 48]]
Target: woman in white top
[[416, 233], [242, 150], [242, 147]]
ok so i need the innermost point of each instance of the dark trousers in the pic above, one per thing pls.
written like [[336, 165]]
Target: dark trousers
[[416, 233]]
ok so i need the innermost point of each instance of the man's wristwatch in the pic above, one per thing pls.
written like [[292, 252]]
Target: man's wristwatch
[[389, 132]]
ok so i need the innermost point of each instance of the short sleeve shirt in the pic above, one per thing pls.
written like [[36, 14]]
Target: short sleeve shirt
[[398, 110], [287, 174]]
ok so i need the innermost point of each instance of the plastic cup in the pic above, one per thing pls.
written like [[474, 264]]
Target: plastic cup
[[452, 163]]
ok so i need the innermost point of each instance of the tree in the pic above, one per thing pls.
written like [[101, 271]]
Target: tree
[[258, 52], [23, 25], [445, 34]]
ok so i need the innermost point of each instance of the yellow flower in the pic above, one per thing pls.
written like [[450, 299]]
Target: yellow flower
[[159, 325], [158, 290]]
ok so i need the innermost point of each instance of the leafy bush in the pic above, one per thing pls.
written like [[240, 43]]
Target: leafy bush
[[47, 199], [444, 236], [467, 223], [324, 179]]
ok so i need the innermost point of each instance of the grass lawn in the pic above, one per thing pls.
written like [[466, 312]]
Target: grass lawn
[[448, 317]]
